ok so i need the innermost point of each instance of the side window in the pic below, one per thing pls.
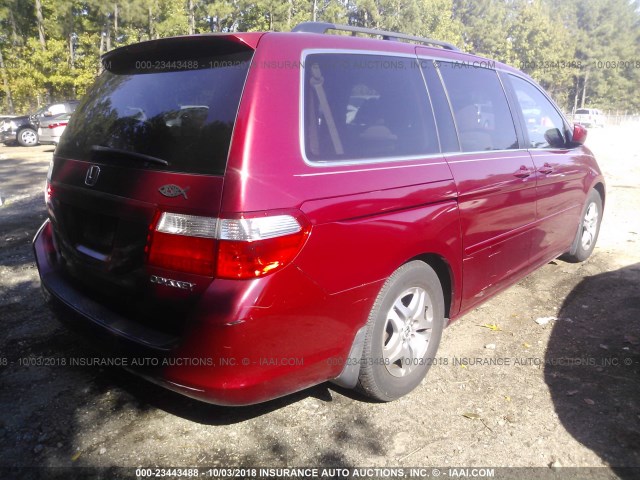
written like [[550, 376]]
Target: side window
[[480, 108], [365, 107], [544, 124]]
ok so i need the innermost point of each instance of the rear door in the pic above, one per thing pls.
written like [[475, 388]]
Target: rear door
[[152, 135], [559, 174], [494, 177]]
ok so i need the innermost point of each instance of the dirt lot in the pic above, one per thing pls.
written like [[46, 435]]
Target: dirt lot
[[565, 396]]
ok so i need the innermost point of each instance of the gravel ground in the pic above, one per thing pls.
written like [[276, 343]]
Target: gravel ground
[[565, 395]]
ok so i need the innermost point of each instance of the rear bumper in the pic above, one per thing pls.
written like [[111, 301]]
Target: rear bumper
[[45, 139], [239, 355]]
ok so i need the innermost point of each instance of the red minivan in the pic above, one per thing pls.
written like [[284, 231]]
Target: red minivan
[[240, 216]]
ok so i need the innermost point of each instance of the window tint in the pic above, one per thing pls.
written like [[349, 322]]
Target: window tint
[[180, 112], [544, 124], [365, 107], [480, 108], [441, 108]]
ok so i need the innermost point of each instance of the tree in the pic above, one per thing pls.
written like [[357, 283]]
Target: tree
[[5, 85], [607, 49], [486, 25], [40, 18], [542, 48], [585, 52]]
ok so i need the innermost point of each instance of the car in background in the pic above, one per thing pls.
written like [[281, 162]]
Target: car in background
[[24, 129], [10, 128], [3, 119], [187, 116], [486, 118], [589, 117], [50, 129]]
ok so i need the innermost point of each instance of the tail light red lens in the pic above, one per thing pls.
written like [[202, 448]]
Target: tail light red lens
[[184, 243], [184, 254], [254, 247], [225, 248], [55, 125]]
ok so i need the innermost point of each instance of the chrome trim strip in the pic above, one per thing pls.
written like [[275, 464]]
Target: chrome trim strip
[[391, 167], [92, 253], [525, 154]]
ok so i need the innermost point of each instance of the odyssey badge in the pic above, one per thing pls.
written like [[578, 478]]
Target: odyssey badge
[[169, 282]]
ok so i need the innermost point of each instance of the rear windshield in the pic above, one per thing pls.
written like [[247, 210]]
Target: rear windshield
[[178, 110], [582, 112]]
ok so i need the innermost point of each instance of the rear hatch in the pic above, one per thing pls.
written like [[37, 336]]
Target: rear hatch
[[151, 136]]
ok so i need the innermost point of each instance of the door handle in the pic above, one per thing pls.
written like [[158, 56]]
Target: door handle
[[523, 172], [546, 169]]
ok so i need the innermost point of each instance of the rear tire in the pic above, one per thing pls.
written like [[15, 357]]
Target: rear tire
[[588, 230], [403, 332], [27, 137]]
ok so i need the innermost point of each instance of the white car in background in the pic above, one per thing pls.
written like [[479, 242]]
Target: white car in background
[[589, 117], [50, 130]]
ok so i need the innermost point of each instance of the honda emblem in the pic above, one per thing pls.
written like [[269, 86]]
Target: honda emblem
[[92, 175]]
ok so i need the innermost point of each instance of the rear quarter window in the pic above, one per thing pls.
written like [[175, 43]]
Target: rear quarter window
[[365, 107], [181, 111]]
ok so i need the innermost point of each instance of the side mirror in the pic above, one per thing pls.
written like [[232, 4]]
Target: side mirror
[[554, 138], [579, 135]]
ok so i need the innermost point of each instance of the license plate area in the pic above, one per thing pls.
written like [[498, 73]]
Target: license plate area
[[91, 233]]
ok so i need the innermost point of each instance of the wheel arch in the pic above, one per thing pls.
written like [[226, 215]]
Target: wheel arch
[[26, 125], [348, 378], [445, 275], [570, 255], [599, 187]]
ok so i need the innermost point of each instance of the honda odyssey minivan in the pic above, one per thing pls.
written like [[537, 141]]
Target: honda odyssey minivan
[[244, 215]]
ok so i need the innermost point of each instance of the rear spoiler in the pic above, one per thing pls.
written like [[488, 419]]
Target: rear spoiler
[[178, 49]]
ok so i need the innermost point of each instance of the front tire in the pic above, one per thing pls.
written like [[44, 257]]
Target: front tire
[[27, 137], [588, 230], [403, 332]]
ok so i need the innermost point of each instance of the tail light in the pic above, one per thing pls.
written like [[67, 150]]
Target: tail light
[[225, 248], [55, 125], [48, 192], [186, 243], [48, 189], [254, 247]]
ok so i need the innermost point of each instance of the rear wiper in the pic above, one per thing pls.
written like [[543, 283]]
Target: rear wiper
[[130, 154]]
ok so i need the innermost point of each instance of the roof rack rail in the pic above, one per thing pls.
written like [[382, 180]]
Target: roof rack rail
[[322, 27]]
